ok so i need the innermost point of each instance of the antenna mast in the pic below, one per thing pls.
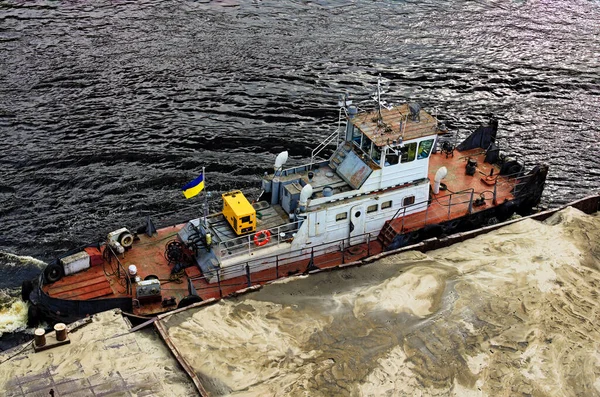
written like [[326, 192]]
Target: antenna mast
[[380, 118]]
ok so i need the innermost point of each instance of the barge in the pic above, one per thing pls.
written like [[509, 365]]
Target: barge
[[394, 178]]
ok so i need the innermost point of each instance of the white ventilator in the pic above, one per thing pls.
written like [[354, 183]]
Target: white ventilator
[[305, 194], [439, 175], [280, 160]]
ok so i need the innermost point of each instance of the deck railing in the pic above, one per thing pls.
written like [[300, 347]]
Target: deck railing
[[307, 259], [334, 136], [463, 200], [121, 270], [279, 262], [245, 245]]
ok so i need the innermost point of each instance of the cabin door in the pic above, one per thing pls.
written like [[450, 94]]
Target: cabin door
[[357, 224]]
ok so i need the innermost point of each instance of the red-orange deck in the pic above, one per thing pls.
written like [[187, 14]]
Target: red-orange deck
[[101, 282]]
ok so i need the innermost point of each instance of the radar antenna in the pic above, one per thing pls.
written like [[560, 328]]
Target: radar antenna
[[380, 103]]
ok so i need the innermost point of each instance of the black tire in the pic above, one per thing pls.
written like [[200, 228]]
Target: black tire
[[26, 289], [188, 300], [53, 272], [33, 316], [151, 277]]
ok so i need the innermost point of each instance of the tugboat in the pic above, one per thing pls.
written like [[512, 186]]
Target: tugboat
[[394, 179]]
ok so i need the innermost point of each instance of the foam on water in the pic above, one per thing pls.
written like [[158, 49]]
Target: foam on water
[[13, 316], [13, 311]]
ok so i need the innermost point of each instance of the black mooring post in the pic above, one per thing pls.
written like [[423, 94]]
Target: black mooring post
[[219, 281], [276, 266], [248, 275], [343, 256], [311, 263]]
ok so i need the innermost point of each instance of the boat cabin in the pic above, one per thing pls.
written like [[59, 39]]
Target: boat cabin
[[380, 166]]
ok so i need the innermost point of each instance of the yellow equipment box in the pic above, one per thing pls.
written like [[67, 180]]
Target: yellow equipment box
[[240, 214]]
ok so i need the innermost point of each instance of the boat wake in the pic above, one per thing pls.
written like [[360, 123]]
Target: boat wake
[[13, 311]]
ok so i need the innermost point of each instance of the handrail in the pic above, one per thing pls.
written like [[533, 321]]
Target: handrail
[[420, 203], [120, 268], [251, 268], [295, 255], [326, 142], [515, 180], [244, 244]]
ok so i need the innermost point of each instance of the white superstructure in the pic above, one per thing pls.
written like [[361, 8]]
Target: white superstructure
[[379, 168]]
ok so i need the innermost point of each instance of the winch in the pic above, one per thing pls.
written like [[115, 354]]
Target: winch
[[121, 237]]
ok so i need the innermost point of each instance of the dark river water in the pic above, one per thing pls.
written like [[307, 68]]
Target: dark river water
[[108, 108]]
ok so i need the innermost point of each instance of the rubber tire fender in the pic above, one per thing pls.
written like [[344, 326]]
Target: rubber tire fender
[[33, 316], [26, 290], [53, 272], [188, 300]]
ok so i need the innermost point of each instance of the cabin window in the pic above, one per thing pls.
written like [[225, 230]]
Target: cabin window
[[408, 152], [375, 154], [409, 200], [356, 134], [372, 208], [246, 219], [425, 148], [392, 157], [341, 216], [366, 144], [386, 204]]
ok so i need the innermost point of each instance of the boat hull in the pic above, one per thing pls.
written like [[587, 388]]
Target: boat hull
[[46, 308]]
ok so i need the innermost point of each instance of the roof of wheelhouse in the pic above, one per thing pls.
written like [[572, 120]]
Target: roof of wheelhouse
[[390, 130]]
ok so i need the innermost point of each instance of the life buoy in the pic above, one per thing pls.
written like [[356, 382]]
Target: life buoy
[[262, 237]]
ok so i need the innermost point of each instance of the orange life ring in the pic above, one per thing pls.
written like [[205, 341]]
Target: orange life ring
[[262, 237]]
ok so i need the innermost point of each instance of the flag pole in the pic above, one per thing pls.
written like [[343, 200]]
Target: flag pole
[[205, 199]]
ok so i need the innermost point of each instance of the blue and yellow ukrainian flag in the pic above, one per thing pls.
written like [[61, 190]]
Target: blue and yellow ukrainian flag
[[194, 187]]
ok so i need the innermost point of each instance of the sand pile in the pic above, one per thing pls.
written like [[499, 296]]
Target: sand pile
[[512, 312]]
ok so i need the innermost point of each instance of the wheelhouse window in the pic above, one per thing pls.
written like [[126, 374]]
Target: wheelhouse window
[[375, 154], [425, 149], [408, 152], [408, 200], [386, 204], [392, 157], [356, 134], [341, 216], [365, 144], [372, 208]]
